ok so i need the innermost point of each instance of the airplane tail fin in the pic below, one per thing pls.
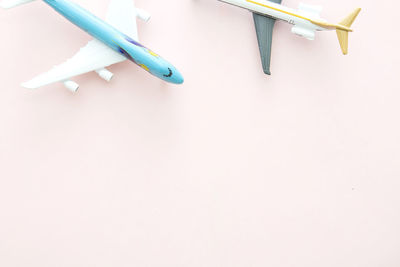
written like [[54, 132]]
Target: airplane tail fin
[[6, 4], [343, 35]]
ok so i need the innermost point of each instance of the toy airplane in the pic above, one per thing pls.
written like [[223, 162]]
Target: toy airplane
[[305, 21], [116, 40]]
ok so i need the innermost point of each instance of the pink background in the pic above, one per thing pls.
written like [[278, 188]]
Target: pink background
[[233, 168]]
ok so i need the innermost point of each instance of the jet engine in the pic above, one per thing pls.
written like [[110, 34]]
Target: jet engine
[[105, 74], [306, 33], [72, 86], [142, 14]]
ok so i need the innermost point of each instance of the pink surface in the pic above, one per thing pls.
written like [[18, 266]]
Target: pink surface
[[233, 168]]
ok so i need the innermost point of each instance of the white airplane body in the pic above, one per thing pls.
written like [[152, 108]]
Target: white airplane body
[[306, 21], [279, 12]]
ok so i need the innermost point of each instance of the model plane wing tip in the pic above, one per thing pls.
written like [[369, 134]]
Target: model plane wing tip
[[28, 85], [268, 72]]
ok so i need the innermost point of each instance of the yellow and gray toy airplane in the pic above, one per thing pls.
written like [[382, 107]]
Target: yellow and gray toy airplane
[[306, 21]]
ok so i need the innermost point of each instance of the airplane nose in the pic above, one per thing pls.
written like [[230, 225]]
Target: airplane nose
[[173, 76], [177, 77]]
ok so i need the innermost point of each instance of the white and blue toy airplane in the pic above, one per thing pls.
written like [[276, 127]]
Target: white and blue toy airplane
[[116, 40], [306, 21]]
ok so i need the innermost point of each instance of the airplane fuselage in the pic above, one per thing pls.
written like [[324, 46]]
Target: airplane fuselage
[[277, 11], [117, 40]]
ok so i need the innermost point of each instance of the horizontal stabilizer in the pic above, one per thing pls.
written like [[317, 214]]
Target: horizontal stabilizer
[[342, 35], [13, 3], [349, 20]]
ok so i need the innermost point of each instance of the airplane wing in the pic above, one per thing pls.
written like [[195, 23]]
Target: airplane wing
[[264, 28], [95, 55]]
